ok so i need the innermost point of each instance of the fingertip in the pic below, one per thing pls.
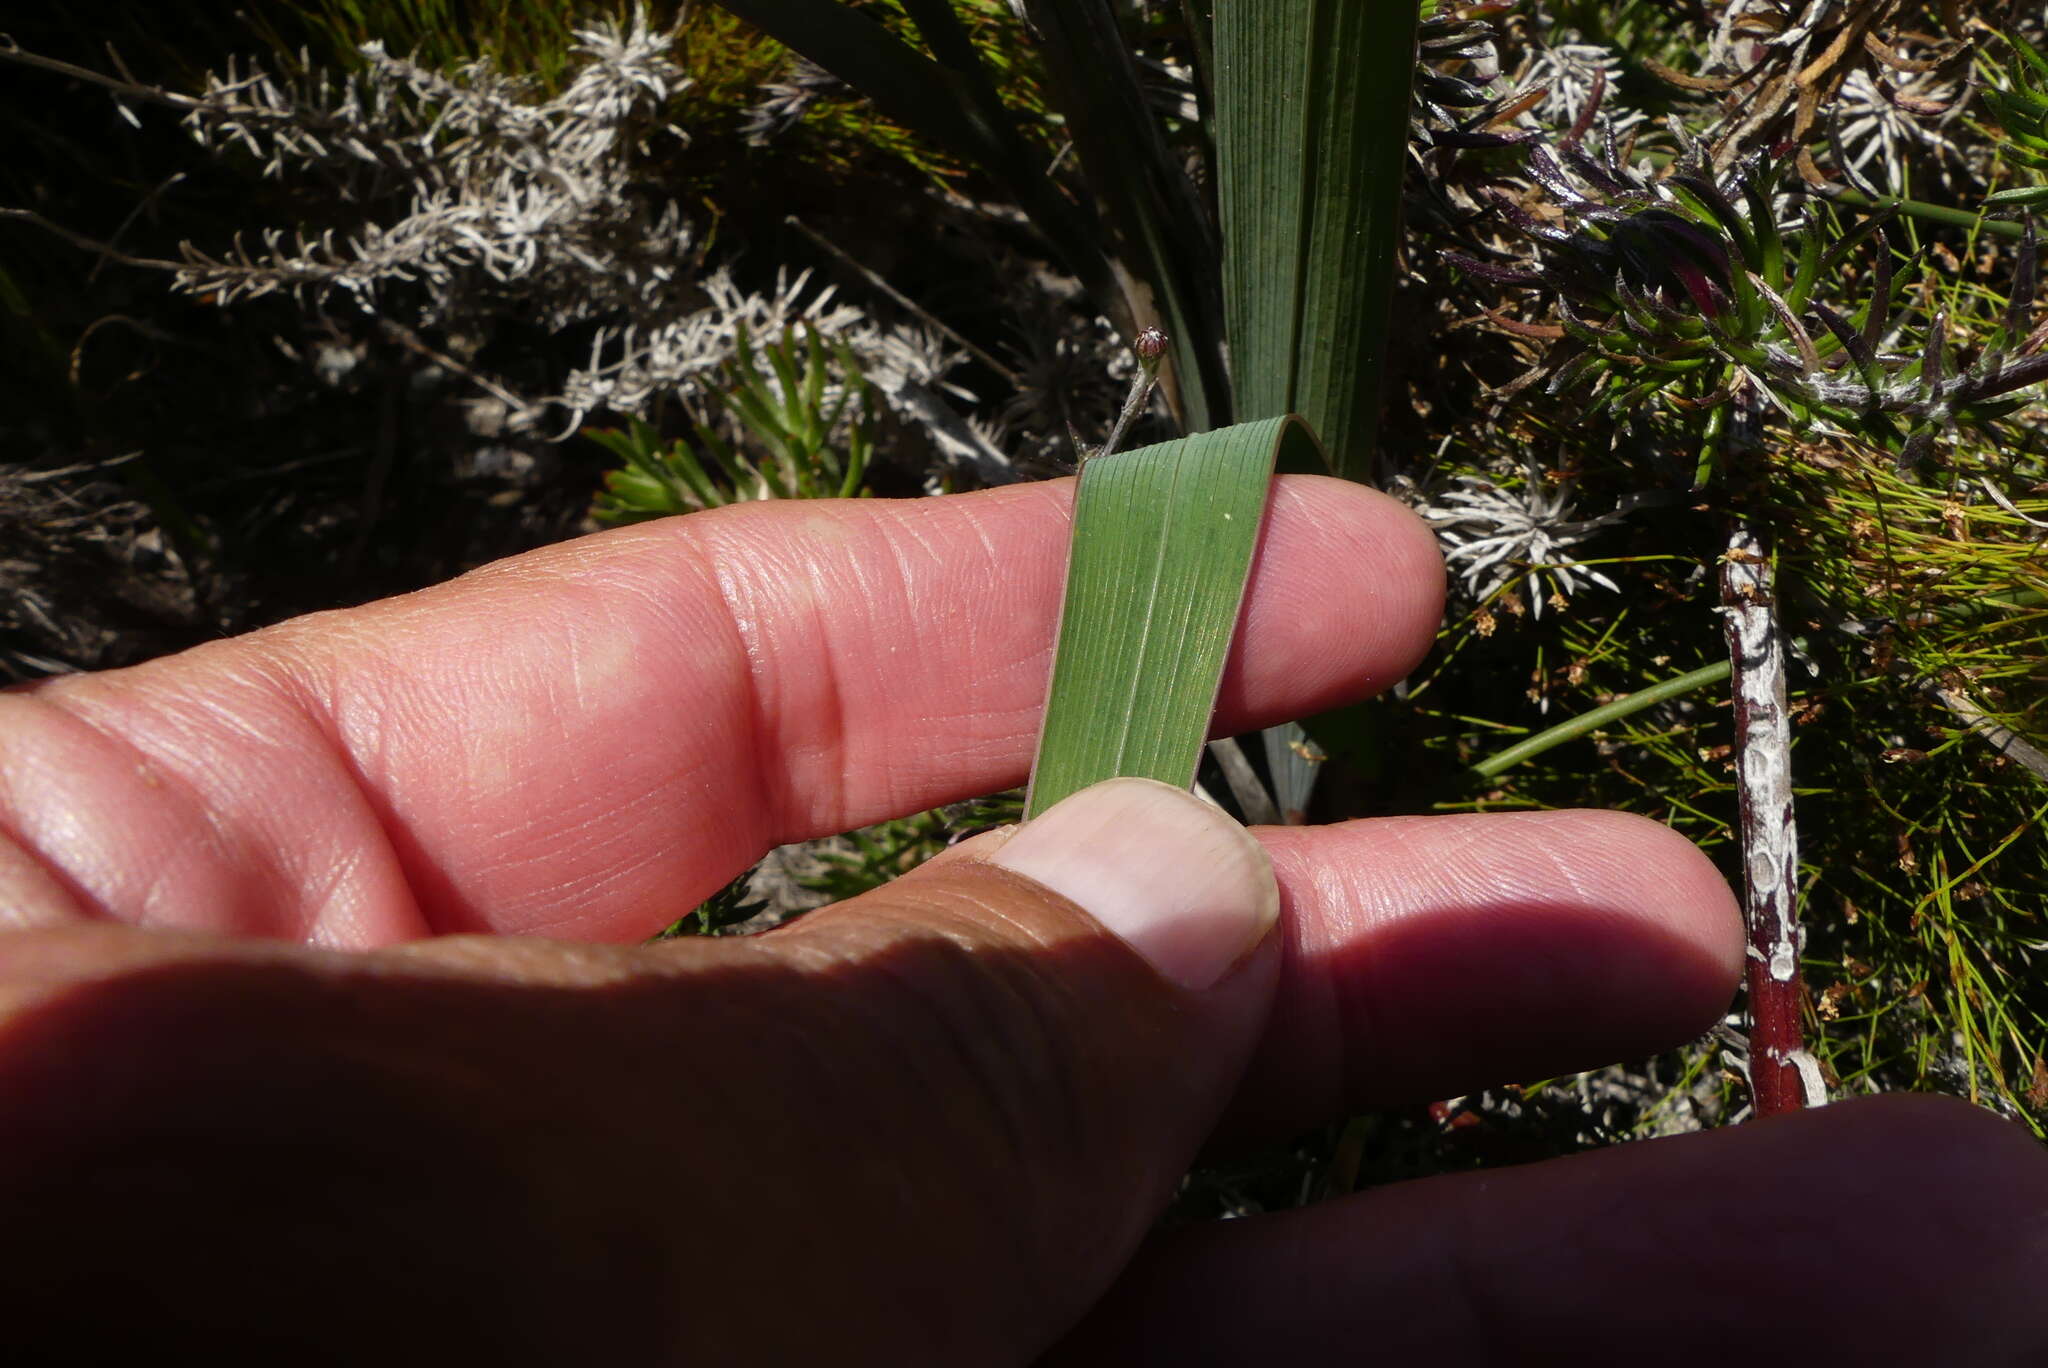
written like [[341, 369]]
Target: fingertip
[[1430, 955], [1345, 599], [1661, 879]]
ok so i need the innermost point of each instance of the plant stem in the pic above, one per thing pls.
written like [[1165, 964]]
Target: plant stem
[[874, 278], [1574, 727], [1783, 1076], [1933, 213], [1151, 345]]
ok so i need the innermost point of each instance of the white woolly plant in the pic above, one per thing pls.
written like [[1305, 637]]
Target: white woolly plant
[[501, 193], [477, 202], [1492, 535], [1880, 125], [1572, 72]]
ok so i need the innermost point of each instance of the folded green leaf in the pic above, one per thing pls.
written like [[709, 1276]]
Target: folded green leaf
[[1162, 546]]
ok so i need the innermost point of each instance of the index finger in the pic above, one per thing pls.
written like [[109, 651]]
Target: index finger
[[586, 740]]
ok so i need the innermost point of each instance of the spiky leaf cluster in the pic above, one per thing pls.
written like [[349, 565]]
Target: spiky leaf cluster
[[1708, 290], [2020, 105]]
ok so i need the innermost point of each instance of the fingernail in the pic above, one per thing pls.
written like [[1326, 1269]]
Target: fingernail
[[1186, 886]]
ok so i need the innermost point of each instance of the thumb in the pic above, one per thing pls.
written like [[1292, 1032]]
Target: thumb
[[927, 1125], [1048, 1021]]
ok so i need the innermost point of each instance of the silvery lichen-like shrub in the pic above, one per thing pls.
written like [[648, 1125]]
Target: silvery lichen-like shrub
[[474, 201]]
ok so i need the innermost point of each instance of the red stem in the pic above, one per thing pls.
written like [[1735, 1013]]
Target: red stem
[[1783, 1076]]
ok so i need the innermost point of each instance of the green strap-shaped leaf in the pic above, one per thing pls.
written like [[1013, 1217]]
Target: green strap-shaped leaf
[[1162, 546], [1311, 138]]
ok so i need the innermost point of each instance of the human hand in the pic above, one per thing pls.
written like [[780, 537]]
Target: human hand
[[286, 1074]]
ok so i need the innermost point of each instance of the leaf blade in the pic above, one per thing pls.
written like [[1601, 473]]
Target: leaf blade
[[1312, 116], [1162, 548]]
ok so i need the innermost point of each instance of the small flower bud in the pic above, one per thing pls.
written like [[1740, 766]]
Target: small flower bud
[[1150, 346]]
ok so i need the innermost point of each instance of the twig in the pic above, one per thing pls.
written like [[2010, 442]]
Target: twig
[[1781, 1078], [1253, 801], [142, 206], [2001, 738], [1150, 346], [11, 51], [412, 341], [1998, 497], [1007, 372], [1920, 209], [91, 467], [89, 244]]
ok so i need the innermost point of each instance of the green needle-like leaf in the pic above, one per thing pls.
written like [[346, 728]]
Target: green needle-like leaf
[[1162, 546]]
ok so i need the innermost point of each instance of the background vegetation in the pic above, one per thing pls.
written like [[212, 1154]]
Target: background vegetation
[[1664, 267]]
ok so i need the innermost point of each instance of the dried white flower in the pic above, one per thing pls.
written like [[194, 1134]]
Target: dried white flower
[[501, 194], [1882, 126], [784, 103], [1489, 533], [1571, 70], [1748, 27]]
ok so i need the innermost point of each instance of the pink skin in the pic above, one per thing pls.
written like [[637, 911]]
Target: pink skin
[[584, 741]]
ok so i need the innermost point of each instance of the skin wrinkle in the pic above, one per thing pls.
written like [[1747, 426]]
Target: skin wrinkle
[[391, 892], [723, 852], [826, 706], [1009, 733], [963, 612], [1008, 1072], [771, 783], [422, 819], [1572, 870], [1305, 940], [339, 917], [1358, 1016], [902, 585], [1445, 879], [12, 809], [44, 876], [611, 858], [377, 717], [559, 906], [969, 920], [139, 884]]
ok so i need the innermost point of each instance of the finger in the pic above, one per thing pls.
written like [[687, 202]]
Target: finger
[[588, 739], [1426, 956], [943, 1114], [1897, 1230]]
